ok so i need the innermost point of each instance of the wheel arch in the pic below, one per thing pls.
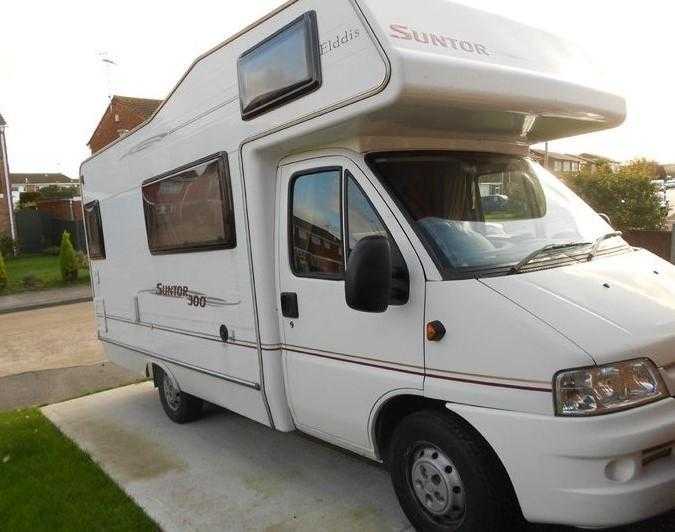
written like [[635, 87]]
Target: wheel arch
[[152, 373], [390, 409]]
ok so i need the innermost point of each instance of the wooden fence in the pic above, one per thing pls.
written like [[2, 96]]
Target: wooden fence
[[38, 230], [658, 242]]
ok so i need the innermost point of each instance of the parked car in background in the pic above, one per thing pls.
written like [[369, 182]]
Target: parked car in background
[[661, 187], [495, 203]]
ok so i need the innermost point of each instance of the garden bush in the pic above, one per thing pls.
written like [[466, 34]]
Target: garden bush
[[67, 259], [626, 196], [3, 274], [82, 261], [7, 245], [32, 282]]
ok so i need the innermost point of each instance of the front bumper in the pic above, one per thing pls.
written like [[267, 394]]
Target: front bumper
[[596, 472]]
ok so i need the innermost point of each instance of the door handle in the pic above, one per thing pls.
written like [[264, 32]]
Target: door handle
[[289, 305]]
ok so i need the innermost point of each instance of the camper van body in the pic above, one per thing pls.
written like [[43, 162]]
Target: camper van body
[[238, 321]]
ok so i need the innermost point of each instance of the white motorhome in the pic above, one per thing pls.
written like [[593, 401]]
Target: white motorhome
[[332, 225]]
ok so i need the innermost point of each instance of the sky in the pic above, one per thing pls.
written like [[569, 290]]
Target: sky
[[54, 85]]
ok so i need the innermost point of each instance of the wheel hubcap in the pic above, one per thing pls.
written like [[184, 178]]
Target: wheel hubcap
[[171, 393], [437, 484]]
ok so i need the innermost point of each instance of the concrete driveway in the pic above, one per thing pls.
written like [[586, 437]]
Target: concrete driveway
[[225, 472]]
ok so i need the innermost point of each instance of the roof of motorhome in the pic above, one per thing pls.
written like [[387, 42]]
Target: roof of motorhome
[[452, 67]]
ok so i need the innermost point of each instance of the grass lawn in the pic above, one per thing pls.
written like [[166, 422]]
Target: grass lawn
[[48, 483], [44, 267]]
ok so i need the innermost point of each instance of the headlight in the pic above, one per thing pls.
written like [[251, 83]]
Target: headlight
[[604, 389]]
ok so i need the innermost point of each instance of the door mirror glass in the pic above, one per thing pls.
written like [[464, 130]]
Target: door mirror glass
[[368, 275]]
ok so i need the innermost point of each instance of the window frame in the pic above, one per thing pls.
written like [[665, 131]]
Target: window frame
[[291, 186], [226, 197], [297, 90], [95, 204]]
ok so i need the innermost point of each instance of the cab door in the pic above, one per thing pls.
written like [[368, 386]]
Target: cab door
[[339, 362]]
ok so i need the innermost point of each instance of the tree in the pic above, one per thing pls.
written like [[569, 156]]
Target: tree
[[67, 259], [57, 192], [29, 200], [628, 197], [3, 274]]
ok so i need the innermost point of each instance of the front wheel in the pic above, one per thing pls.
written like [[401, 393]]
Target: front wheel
[[448, 479], [181, 407]]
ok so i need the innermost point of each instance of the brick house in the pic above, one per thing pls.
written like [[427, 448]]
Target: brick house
[[122, 115], [7, 225], [595, 160], [559, 163], [33, 182]]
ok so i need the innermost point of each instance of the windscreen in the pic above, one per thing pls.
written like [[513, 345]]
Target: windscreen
[[479, 211]]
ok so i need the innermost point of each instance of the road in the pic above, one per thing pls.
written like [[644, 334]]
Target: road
[[55, 337], [52, 354]]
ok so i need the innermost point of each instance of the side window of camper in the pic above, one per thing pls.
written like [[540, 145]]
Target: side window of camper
[[316, 225], [94, 228], [283, 67], [190, 209]]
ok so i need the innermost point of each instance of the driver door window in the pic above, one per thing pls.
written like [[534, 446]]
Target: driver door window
[[316, 225], [318, 200]]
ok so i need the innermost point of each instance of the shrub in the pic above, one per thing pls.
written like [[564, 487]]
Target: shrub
[[7, 245], [67, 259], [32, 282], [82, 261], [3, 274], [626, 196]]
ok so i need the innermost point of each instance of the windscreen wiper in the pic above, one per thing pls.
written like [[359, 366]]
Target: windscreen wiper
[[600, 240], [546, 249]]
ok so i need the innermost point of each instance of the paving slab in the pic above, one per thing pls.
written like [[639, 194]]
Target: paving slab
[[45, 298], [225, 472]]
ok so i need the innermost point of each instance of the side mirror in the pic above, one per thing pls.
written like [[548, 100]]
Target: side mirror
[[368, 275], [605, 217]]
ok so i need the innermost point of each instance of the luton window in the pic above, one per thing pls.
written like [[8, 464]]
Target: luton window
[[190, 209], [281, 68], [94, 228]]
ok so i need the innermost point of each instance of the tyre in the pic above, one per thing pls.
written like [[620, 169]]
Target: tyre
[[181, 407], [447, 478]]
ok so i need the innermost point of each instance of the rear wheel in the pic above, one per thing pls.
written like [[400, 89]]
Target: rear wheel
[[181, 407], [447, 478]]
